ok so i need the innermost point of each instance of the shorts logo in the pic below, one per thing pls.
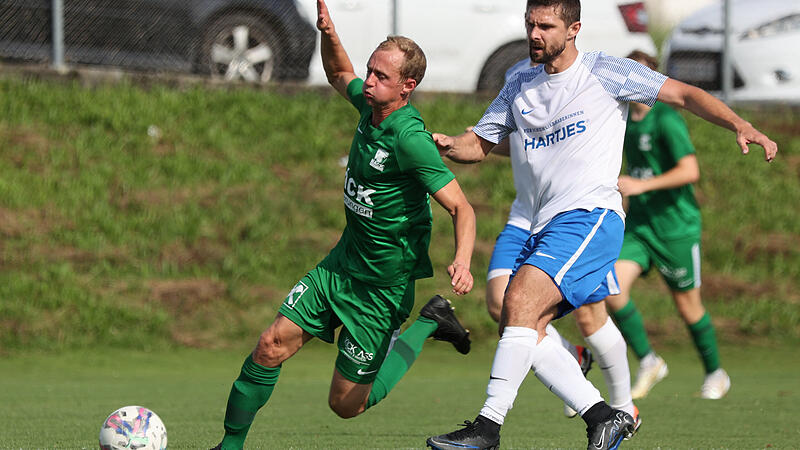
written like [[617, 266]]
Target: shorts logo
[[361, 372], [379, 159], [357, 354], [673, 273], [294, 295]]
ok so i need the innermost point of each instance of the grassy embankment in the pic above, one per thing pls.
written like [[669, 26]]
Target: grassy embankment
[[191, 234]]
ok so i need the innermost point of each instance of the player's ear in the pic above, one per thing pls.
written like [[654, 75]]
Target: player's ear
[[573, 30], [408, 87]]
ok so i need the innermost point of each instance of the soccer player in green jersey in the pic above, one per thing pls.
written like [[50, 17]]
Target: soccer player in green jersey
[[663, 230], [366, 283]]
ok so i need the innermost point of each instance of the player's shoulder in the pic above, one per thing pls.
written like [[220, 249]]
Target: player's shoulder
[[519, 66], [516, 80], [600, 62], [407, 120]]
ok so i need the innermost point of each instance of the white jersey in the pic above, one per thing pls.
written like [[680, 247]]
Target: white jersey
[[521, 212], [569, 127]]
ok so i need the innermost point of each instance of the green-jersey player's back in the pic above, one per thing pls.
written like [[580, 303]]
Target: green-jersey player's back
[[391, 170], [653, 146]]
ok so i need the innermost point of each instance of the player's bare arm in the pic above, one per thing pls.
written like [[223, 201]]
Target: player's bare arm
[[502, 148], [465, 148], [452, 199], [710, 108], [335, 61], [686, 171]]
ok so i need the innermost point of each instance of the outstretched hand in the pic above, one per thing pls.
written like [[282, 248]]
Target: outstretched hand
[[749, 135], [323, 16], [460, 278], [443, 142]]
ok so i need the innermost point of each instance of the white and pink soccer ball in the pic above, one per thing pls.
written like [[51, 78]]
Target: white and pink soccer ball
[[133, 428]]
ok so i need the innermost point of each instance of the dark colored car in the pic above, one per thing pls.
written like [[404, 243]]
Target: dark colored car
[[255, 40]]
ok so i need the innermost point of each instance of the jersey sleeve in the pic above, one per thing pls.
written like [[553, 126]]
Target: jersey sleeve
[[417, 154], [498, 120], [627, 80], [675, 134], [355, 95]]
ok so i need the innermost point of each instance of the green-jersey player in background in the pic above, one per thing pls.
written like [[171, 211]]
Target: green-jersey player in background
[[366, 283], [663, 230]]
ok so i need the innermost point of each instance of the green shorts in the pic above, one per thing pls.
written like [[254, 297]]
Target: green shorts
[[678, 260], [328, 297]]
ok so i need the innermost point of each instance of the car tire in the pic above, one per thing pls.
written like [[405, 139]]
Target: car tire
[[492, 77], [241, 47]]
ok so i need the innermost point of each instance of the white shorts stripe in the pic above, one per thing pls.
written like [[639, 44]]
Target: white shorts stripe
[[696, 264], [494, 273], [613, 287], [577, 254]]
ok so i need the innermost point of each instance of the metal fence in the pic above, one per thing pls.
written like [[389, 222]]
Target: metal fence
[[253, 40], [256, 40]]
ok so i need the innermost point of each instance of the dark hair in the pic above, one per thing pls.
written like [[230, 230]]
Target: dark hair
[[569, 10], [644, 58], [415, 62]]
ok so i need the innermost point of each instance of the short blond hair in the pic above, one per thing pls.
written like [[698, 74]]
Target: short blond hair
[[414, 64]]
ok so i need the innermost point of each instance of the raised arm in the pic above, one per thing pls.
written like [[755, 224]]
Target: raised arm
[[465, 148], [686, 171], [708, 107], [335, 61], [452, 198]]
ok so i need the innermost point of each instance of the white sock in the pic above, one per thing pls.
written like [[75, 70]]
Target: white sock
[[553, 333], [512, 361], [560, 372], [611, 353]]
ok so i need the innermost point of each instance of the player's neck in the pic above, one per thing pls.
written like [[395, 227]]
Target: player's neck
[[563, 62], [381, 112]]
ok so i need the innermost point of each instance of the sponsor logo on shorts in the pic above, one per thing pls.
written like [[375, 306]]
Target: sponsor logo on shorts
[[361, 372], [294, 295], [673, 273], [356, 353]]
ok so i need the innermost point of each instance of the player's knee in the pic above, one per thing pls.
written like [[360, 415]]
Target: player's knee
[[345, 410], [494, 306], [268, 351], [585, 321]]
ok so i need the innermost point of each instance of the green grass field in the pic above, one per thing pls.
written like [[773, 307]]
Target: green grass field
[[149, 233], [59, 401]]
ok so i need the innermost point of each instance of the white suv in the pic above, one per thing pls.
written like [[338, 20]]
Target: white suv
[[469, 44]]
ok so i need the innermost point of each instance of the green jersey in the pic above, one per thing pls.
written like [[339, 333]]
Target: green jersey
[[653, 146], [391, 170]]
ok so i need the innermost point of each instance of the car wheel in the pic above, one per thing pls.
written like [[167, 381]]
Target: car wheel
[[240, 47], [492, 77]]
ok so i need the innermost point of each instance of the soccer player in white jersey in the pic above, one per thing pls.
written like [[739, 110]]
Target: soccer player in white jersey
[[507, 246], [569, 114]]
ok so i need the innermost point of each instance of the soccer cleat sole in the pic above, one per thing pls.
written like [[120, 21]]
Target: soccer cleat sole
[[436, 447]]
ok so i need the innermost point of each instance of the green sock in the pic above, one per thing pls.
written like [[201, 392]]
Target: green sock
[[630, 324], [399, 360], [249, 393], [706, 342]]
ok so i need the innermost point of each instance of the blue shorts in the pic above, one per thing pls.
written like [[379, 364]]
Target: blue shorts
[[506, 250], [578, 249]]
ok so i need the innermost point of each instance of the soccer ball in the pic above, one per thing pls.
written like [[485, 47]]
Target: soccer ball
[[133, 427]]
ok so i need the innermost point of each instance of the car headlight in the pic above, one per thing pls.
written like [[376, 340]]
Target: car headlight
[[783, 25]]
